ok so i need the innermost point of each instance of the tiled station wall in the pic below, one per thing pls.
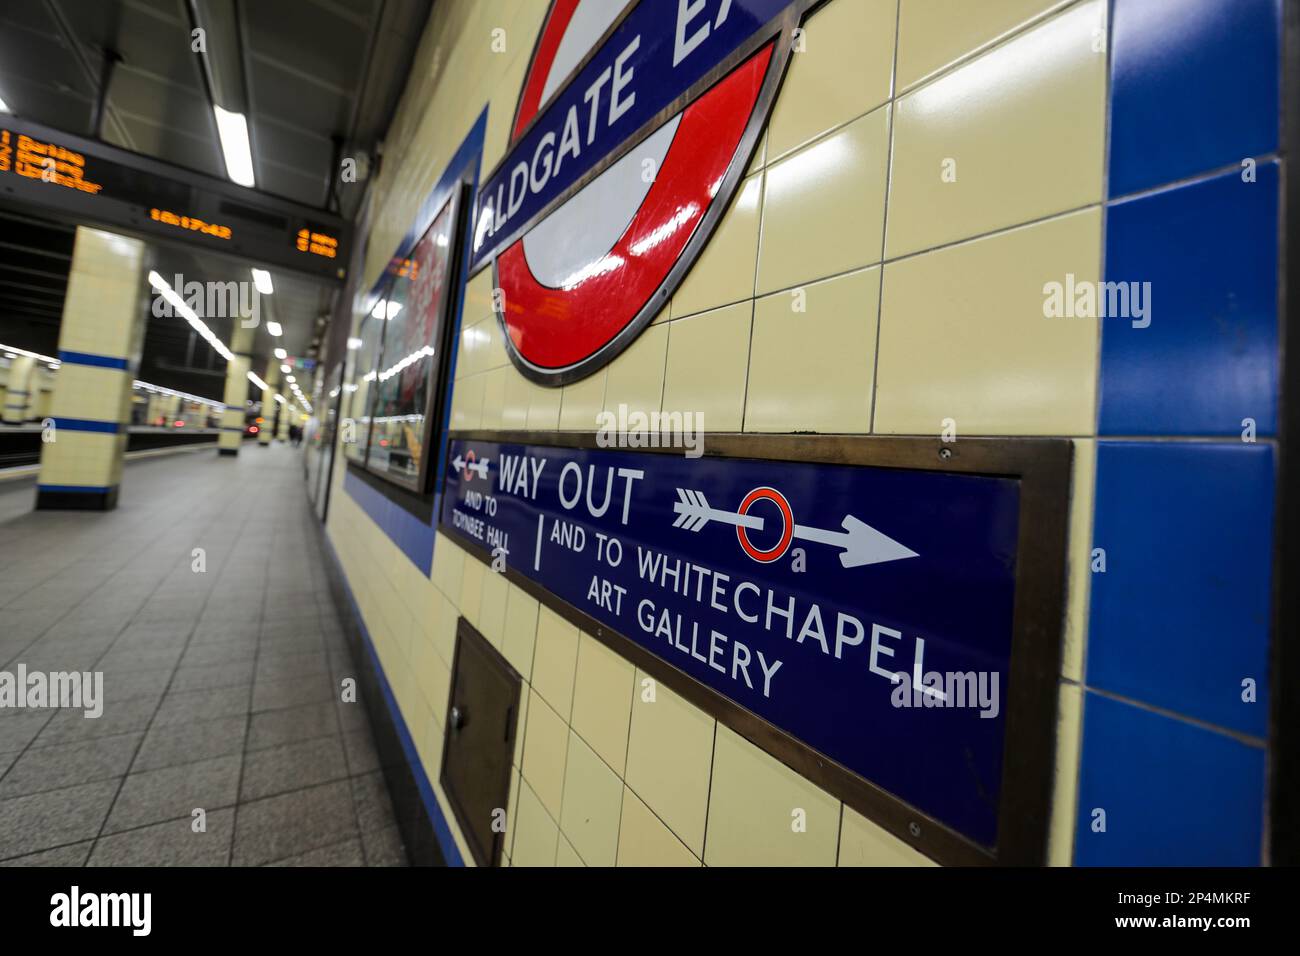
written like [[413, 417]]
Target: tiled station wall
[[1088, 139]]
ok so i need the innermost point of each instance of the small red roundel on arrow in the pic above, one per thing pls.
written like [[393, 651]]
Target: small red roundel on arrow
[[634, 128]]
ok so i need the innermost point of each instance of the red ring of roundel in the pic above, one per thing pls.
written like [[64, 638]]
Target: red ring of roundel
[[556, 328]]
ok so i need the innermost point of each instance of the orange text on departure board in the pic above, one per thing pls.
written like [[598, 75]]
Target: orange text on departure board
[[44, 162], [317, 243], [192, 223]]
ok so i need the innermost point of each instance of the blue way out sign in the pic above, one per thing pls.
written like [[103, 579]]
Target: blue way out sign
[[864, 611]]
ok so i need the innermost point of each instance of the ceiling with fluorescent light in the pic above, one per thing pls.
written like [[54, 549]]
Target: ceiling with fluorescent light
[[312, 77]]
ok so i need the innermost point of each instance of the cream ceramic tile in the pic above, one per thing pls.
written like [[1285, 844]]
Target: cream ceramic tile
[[582, 401], [546, 742], [935, 33], [593, 797], [471, 588], [757, 806], [478, 296], [555, 661], [543, 407], [492, 607], [566, 855], [518, 396], [636, 377], [448, 565], [759, 159], [1012, 136], [1065, 788], [844, 69], [863, 843], [707, 362], [602, 700], [813, 370], [1079, 560], [520, 631], [963, 336], [724, 272], [512, 811], [824, 206], [521, 727], [644, 840], [536, 833], [494, 397], [669, 755]]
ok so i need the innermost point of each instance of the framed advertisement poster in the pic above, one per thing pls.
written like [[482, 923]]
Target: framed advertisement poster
[[364, 373], [415, 317]]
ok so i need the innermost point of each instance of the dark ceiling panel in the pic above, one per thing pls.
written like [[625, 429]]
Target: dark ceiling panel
[[290, 98], [309, 40]]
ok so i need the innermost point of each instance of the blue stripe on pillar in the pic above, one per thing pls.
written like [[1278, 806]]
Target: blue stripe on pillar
[[90, 358], [87, 425], [78, 489]]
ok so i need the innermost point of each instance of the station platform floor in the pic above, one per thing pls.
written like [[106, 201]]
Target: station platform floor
[[221, 675]]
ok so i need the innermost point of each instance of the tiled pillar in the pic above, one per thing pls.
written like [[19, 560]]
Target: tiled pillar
[[267, 433], [20, 377], [287, 414], [99, 350], [232, 419]]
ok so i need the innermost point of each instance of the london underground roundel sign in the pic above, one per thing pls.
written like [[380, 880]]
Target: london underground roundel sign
[[634, 127]]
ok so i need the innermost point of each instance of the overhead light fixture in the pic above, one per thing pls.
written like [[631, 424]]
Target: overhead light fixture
[[291, 379], [262, 279], [233, 130], [274, 329], [189, 315], [384, 310], [281, 354], [355, 343], [285, 368], [4, 107]]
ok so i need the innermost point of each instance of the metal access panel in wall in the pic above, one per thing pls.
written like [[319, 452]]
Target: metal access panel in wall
[[884, 615], [479, 741]]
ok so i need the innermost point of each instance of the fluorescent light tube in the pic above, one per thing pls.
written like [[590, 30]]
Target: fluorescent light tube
[[274, 329], [233, 129]]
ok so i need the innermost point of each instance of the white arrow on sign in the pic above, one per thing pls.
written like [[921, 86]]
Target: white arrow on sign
[[479, 467], [859, 543]]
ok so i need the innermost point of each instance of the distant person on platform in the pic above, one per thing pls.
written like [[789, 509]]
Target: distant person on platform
[[295, 435]]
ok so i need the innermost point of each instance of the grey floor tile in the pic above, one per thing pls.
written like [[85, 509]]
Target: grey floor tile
[[66, 765], [172, 843], [18, 728], [359, 745], [384, 847], [347, 853], [273, 727], [278, 694], [174, 792], [44, 820], [272, 666], [208, 676], [219, 652], [292, 766], [198, 705], [117, 718], [72, 855], [293, 823], [171, 744], [370, 796]]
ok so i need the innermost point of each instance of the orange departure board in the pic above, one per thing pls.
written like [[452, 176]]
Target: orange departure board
[[45, 162]]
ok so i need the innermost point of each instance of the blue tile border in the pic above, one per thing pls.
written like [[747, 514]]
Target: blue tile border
[[1194, 85], [1172, 793], [90, 358], [1204, 358], [1182, 613], [78, 489], [88, 425]]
